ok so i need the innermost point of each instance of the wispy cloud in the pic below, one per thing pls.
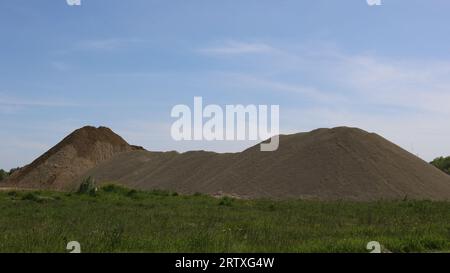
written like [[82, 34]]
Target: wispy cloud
[[13, 103], [248, 81], [237, 48], [25, 102], [415, 84], [104, 44], [404, 99], [349, 79]]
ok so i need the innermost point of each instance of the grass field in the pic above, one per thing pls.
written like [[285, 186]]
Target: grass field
[[122, 220]]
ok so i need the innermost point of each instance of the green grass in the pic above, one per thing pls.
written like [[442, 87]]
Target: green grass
[[116, 219]]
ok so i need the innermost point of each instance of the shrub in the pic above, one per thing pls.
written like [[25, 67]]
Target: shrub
[[3, 175], [442, 163], [163, 193], [88, 187], [226, 201], [117, 189], [113, 188]]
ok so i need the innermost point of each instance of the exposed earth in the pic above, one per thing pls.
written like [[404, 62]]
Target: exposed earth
[[324, 164]]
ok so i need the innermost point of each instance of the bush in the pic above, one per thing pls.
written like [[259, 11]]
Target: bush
[[226, 201], [3, 175], [88, 187], [163, 193], [112, 188], [442, 163]]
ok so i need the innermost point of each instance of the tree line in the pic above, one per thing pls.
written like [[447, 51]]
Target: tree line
[[4, 174]]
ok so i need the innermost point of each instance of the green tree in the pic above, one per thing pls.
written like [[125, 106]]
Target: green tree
[[3, 175], [442, 163]]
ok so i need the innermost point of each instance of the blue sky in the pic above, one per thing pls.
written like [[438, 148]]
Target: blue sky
[[125, 64]]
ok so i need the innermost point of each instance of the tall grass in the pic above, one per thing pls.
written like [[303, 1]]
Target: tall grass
[[117, 219]]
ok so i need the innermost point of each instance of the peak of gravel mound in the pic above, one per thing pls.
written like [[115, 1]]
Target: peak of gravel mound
[[78, 152]]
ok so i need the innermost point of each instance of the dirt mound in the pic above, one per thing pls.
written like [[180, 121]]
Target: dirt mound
[[80, 151], [328, 164]]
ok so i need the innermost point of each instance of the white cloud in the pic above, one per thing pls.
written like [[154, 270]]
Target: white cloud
[[263, 83], [107, 44], [13, 103], [415, 84], [10, 102], [238, 48], [404, 99], [101, 44], [335, 77]]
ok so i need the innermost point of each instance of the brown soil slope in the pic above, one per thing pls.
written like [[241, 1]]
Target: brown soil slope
[[327, 164], [80, 151]]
